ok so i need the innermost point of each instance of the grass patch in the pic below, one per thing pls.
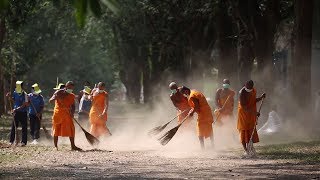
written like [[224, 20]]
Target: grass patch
[[308, 152]]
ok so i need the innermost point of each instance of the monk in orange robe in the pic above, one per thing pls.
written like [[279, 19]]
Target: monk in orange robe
[[224, 101], [98, 113], [199, 104], [62, 120], [179, 101], [247, 114]]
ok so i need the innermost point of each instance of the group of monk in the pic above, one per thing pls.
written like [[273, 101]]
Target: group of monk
[[188, 102], [93, 105]]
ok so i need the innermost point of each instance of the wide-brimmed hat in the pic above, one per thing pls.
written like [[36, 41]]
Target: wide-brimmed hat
[[58, 86], [87, 89], [36, 88]]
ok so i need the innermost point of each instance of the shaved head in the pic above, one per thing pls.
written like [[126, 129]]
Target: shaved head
[[226, 81], [173, 85], [101, 85], [249, 84]]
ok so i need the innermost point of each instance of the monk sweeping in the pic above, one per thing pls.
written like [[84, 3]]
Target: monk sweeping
[[98, 113], [179, 101], [199, 104], [247, 115], [62, 120], [224, 101]]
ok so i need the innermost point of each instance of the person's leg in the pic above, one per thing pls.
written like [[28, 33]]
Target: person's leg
[[212, 140], [244, 145], [32, 125], [55, 141], [201, 140], [24, 125], [73, 146], [13, 129], [37, 127]]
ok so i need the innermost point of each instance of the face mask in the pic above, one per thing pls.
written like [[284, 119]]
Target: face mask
[[101, 91], [225, 86], [35, 93], [69, 91], [248, 90], [185, 95], [173, 91], [18, 88]]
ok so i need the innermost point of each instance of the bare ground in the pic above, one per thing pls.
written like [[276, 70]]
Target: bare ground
[[44, 162], [131, 155]]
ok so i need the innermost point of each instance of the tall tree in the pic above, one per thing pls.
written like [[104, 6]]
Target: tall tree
[[301, 60]]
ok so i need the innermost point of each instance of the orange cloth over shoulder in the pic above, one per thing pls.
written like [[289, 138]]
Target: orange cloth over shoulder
[[229, 105], [205, 118], [247, 120], [62, 122], [98, 124]]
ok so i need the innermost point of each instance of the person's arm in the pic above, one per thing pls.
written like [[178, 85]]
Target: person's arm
[[56, 95], [196, 106], [24, 104], [41, 105], [174, 102], [261, 97], [217, 98], [106, 105]]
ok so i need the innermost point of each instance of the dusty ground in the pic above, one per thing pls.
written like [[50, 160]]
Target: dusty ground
[[45, 162], [131, 154]]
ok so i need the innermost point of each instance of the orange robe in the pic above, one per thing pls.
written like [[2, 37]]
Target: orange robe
[[247, 121], [227, 113], [98, 124], [62, 120], [205, 118]]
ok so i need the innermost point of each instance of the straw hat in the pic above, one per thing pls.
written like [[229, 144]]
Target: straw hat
[[87, 89], [36, 88], [58, 86]]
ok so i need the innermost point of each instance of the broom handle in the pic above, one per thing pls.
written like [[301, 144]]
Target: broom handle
[[222, 108], [178, 115], [255, 126]]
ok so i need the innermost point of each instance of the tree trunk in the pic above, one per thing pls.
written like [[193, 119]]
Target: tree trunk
[[226, 45], [2, 79], [301, 61], [265, 26]]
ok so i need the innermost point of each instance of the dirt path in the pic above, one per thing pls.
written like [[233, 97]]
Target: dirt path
[[45, 162]]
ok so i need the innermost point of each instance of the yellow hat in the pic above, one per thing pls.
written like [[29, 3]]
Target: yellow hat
[[87, 89], [18, 87], [58, 86], [36, 88]]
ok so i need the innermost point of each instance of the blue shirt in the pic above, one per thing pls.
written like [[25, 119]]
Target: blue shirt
[[37, 102], [19, 99], [85, 105]]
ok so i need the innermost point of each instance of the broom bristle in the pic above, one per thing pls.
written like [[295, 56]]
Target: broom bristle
[[168, 136], [91, 139], [46, 132], [157, 130]]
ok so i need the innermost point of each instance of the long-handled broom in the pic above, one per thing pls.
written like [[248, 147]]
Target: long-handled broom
[[46, 132], [219, 114], [250, 148], [158, 129], [169, 135]]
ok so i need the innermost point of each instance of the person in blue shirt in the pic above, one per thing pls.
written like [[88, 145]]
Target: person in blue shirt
[[20, 109], [84, 106], [35, 112]]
